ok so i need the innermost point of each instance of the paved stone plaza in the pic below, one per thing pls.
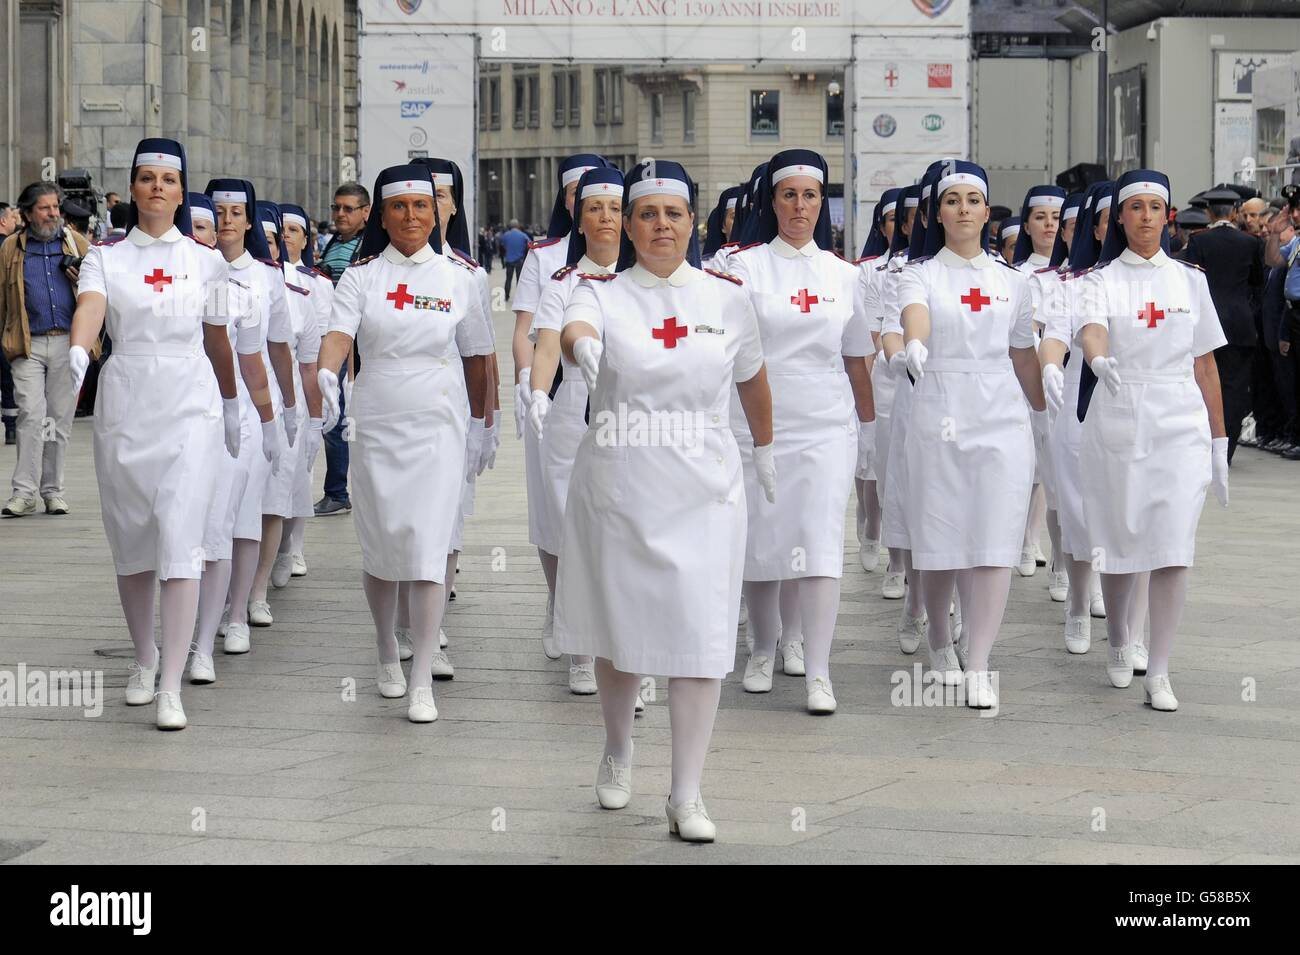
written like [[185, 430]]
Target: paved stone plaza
[[277, 766]]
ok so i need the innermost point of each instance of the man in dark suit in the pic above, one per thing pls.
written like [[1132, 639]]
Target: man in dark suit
[[1234, 267]]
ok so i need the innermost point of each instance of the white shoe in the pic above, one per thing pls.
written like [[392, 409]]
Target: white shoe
[[979, 690], [224, 625], [613, 784], [1137, 654], [944, 665], [1119, 667], [281, 570], [1078, 633], [691, 822], [1058, 586], [422, 708], [1096, 603], [911, 631], [139, 689], [582, 680], [1158, 694], [792, 658], [391, 681], [1039, 557], [758, 675], [237, 638], [442, 639], [548, 632], [820, 698], [891, 588], [441, 667], [403, 637], [259, 614], [869, 555], [1027, 564], [202, 669], [299, 566], [169, 715]]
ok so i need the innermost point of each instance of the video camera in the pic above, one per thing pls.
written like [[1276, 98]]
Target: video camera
[[78, 186]]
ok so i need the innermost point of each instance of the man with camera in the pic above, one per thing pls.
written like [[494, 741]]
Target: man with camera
[[38, 295]]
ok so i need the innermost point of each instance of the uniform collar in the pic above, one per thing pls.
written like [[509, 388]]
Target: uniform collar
[[683, 275], [1223, 222], [1132, 258], [141, 238], [1038, 261], [787, 251], [590, 267], [242, 261], [423, 254], [951, 259]]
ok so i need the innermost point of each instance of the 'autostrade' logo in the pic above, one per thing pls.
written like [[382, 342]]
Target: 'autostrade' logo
[[884, 125], [414, 108], [416, 67]]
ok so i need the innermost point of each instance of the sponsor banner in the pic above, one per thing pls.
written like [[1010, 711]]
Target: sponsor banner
[[1234, 152], [417, 95], [941, 74], [1237, 72], [937, 128]]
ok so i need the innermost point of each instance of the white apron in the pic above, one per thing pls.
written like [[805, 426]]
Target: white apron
[[288, 494], [1066, 436], [1145, 454], [654, 526], [413, 320], [468, 489], [969, 449], [804, 302], [158, 436], [891, 468]]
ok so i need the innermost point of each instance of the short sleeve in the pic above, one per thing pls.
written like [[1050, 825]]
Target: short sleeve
[[1207, 334], [473, 336], [345, 313], [891, 316], [308, 349], [1090, 302], [550, 309], [91, 274], [485, 302], [322, 297], [245, 316], [856, 342], [735, 265], [279, 327], [869, 291], [1057, 311], [584, 307], [216, 307], [528, 290], [749, 349], [1022, 320]]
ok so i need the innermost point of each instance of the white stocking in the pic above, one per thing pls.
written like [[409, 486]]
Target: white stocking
[[402, 615], [1137, 616], [982, 618], [897, 564], [297, 530], [819, 605], [1080, 593], [692, 707], [136, 593], [618, 692], [915, 596], [872, 501], [213, 587], [1037, 511], [939, 586], [791, 614], [272, 532], [1054, 533], [243, 566], [178, 606], [763, 600], [381, 595], [427, 601], [1117, 590], [1168, 594]]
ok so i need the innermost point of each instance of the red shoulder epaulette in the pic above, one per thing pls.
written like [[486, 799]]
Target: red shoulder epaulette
[[368, 258], [301, 291], [1045, 268], [728, 245], [121, 237], [269, 262], [841, 258], [865, 258], [752, 245], [561, 273], [543, 243], [724, 275], [1190, 265], [466, 258], [598, 278]]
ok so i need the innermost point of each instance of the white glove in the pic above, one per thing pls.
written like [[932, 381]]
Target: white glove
[[491, 441], [1107, 370], [897, 365], [329, 397], [523, 392], [230, 418], [1219, 458], [78, 362], [347, 390], [1054, 386], [291, 424], [538, 408], [271, 444], [474, 448], [1038, 426], [866, 447], [315, 433], [587, 351], [765, 469], [916, 353]]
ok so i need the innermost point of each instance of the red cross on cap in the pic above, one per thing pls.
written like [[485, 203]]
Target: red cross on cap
[[659, 182], [408, 183]]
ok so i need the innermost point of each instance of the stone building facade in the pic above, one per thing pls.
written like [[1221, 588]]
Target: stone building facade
[[265, 89]]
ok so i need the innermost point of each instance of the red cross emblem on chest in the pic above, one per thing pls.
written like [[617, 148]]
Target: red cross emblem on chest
[[1151, 315], [158, 279], [400, 297], [804, 300], [670, 332], [976, 300]]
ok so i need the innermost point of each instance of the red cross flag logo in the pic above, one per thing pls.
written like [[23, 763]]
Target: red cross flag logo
[[891, 75]]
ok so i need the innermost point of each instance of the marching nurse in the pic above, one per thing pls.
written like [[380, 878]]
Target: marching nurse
[[654, 530]]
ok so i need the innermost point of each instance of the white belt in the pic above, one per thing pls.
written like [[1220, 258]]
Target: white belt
[[154, 349], [1151, 376], [413, 363], [970, 366], [808, 370]]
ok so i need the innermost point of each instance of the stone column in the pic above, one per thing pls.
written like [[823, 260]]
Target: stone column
[[199, 106]]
